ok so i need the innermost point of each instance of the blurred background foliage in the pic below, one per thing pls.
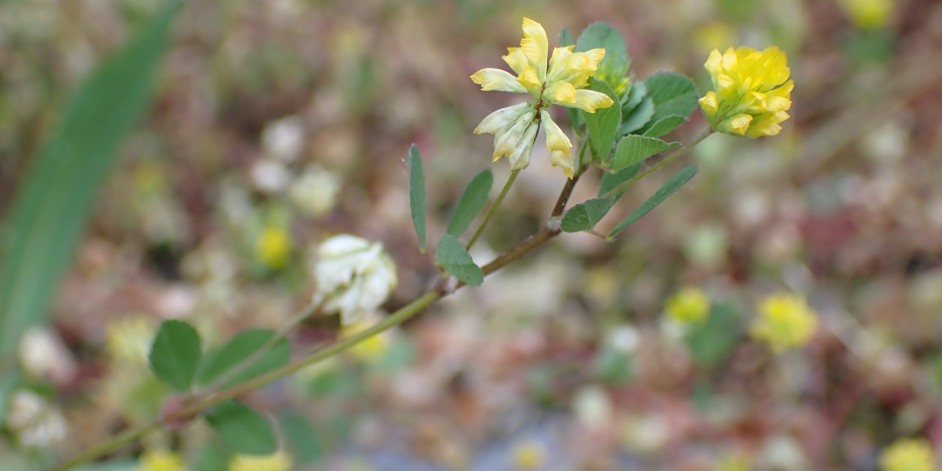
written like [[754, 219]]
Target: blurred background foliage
[[276, 125]]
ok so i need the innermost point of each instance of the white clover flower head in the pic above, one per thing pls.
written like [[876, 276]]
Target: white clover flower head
[[354, 276], [315, 191], [34, 421], [284, 138]]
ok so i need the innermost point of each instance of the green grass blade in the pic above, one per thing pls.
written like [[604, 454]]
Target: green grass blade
[[51, 208]]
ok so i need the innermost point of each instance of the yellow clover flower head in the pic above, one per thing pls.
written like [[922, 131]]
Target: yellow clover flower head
[[785, 321], [752, 93], [273, 246], [160, 460], [911, 454], [689, 306], [560, 82], [275, 462], [868, 14]]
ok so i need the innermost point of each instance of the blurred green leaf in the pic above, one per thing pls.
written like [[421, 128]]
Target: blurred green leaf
[[673, 95], [712, 341], [52, 205], [175, 354], [301, 439], [613, 366], [584, 216], [603, 124], [242, 429], [664, 126], [636, 94], [634, 149], [565, 38], [470, 202], [611, 180], [668, 188], [417, 194], [234, 353], [453, 257], [212, 458], [613, 68], [113, 466]]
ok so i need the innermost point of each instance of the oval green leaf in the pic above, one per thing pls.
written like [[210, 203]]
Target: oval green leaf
[[603, 124], [242, 429], [455, 259], [672, 93], [634, 149], [664, 126], [175, 354], [586, 215]]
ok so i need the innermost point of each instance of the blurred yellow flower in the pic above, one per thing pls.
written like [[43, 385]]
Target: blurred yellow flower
[[515, 127], [752, 93], [275, 462], [785, 321], [713, 35], [690, 305], [528, 455], [128, 339], [868, 14], [371, 349], [273, 246], [909, 454], [160, 460]]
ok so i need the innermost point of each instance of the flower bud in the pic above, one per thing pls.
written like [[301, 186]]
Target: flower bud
[[354, 276]]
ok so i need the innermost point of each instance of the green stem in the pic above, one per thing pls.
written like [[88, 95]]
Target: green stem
[[109, 446], [659, 165], [493, 208]]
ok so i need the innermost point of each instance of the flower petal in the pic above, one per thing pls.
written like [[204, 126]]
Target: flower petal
[[590, 100], [495, 79], [535, 46], [560, 92], [516, 59], [501, 119], [558, 144]]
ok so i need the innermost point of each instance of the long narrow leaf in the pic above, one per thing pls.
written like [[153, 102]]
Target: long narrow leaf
[[417, 194], [52, 206], [668, 188], [470, 202]]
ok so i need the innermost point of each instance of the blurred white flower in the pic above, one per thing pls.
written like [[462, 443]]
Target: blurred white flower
[[42, 354], [354, 276], [315, 191], [624, 338], [593, 407], [284, 138], [35, 422], [270, 176]]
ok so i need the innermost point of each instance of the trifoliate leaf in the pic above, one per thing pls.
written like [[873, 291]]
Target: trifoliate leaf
[[668, 188], [584, 216], [614, 67], [455, 259], [638, 118], [633, 98]]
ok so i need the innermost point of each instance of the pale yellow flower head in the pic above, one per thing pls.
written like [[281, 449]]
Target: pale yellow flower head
[[868, 14], [911, 454], [752, 91], [560, 80], [689, 306], [273, 246], [160, 460], [785, 321], [275, 462]]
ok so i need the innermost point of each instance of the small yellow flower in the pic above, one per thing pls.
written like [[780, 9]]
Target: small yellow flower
[[275, 462], [529, 455], [868, 14], [908, 455], [562, 82], [785, 321], [128, 339], [371, 349], [160, 460], [273, 246], [689, 306], [752, 93]]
